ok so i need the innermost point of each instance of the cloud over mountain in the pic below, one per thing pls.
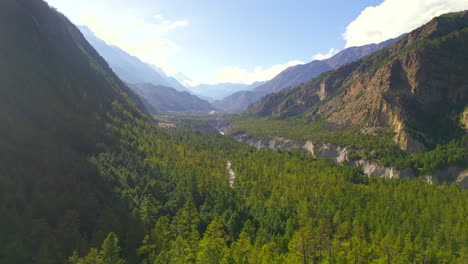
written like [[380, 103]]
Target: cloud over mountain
[[395, 17]]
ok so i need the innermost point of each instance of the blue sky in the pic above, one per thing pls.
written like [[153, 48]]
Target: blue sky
[[246, 40]]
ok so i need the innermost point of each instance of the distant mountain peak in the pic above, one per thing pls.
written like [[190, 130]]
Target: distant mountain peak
[[128, 67]]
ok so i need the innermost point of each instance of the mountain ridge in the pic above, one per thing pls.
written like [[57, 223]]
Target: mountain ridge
[[162, 98], [298, 74], [393, 87], [130, 68]]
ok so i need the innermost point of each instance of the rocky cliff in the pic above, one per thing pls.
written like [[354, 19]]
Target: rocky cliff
[[343, 155], [417, 86]]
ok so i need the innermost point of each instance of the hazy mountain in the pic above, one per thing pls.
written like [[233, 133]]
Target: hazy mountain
[[171, 81], [305, 72], [417, 86], [296, 75], [129, 68], [238, 102], [182, 78], [162, 98], [218, 91]]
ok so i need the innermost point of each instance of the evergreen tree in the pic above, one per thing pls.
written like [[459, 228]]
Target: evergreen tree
[[110, 250]]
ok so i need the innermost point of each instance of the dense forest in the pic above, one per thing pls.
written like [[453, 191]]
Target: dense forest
[[86, 177], [378, 147], [284, 207]]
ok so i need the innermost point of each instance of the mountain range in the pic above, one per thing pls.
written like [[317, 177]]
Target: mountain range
[[129, 68], [417, 87], [165, 99], [87, 176], [220, 90], [165, 93], [298, 74]]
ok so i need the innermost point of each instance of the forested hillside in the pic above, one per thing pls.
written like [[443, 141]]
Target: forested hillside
[[86, 177]]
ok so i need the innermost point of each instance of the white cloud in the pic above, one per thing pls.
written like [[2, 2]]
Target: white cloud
[[239, 75], [158, 17], [395, 17], [138, 37], [162, 27], [321, 56]]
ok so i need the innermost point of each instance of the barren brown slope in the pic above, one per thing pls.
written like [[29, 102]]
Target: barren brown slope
[[418, 87]]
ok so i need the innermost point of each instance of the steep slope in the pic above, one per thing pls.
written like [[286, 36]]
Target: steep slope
[[165, 98], [58, 101], [354, 53], [218, 91], [239, 101], [418, 87], [181, 78], [172, 82], [296, 75], [129, 68], [305, 72]]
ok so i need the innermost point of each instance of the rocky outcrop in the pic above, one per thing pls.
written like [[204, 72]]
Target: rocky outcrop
[[462, 179], [275, 143], [450, 174], [375, 169], [341, 155], [464, 119], [232, 175], [414, 87]]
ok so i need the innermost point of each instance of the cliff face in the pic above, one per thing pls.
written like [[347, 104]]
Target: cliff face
[[417, 86], [342, 155]]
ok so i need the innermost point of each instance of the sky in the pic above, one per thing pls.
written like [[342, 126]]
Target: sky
[[243, 41]]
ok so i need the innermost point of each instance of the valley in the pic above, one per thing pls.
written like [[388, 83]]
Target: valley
[[361, 157]]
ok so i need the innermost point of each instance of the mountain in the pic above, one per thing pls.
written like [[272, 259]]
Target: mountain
[[218, 91], [87, 177], [60, 105], [354, 53], [182, 78], [162, 98], [295, 75], [171, 81], [129, 68], [305, 72], [417, 86], [238, 102]]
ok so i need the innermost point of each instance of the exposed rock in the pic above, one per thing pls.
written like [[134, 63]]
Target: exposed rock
[[450, 174], [275, 143], [165, 125], [341, 155], [462, 179], [375, 169], [232, 175], [464, 119], [413, 87], [327, 150]]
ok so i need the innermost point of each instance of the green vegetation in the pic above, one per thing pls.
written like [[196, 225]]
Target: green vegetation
[[86, 177], [378, 147], [285, 207]]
